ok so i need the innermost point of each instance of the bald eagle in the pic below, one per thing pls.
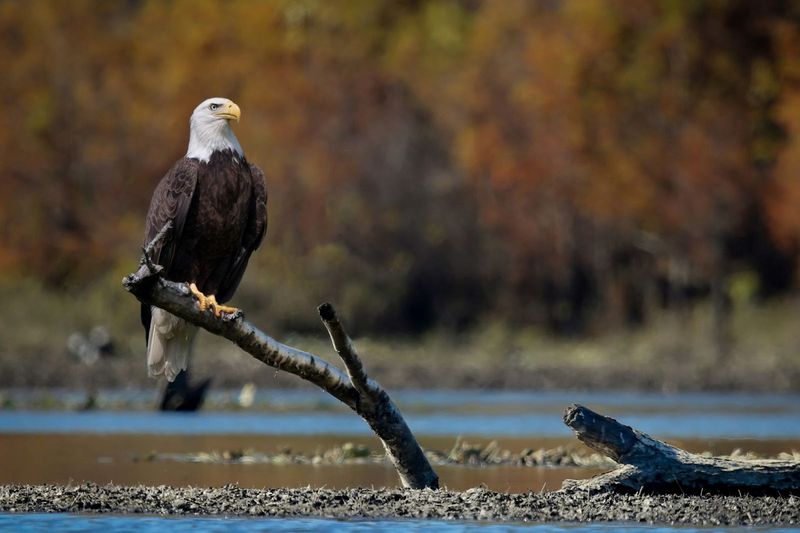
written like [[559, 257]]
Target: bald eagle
[[217, 203]]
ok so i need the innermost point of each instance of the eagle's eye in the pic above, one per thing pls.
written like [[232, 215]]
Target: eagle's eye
[[212, 107]]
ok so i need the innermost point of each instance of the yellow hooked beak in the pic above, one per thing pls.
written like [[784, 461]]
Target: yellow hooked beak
[[229, 111]]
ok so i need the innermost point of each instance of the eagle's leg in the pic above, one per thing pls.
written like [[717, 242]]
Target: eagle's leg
[[205, 302]]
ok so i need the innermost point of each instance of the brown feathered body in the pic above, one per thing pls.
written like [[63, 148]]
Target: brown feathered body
[[218, 211]]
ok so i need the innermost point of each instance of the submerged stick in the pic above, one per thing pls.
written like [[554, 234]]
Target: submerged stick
[[355, 389]]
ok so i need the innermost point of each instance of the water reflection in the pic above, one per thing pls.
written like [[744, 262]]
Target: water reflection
[[124, 459]]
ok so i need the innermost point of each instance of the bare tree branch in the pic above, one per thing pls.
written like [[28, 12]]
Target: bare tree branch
[[647, 464], [347, 352], [374, 404], [355, 389]]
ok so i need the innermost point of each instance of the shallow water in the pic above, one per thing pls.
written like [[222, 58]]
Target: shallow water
[[666, 425], [128, 459], [70, 523], [465, 400], [487, 413], [52, 446], [123, 459]]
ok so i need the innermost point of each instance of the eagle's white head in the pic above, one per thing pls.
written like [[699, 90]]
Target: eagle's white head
[[210, 129]]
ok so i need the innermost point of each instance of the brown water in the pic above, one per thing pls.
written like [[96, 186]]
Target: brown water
[[123, 459]]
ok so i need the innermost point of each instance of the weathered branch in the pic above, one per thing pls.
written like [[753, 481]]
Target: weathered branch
[[347, 352], [355, 389], [650, 465], [375, 406]]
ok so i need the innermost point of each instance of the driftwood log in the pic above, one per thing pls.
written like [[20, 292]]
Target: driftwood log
[[649, 465], [355, 389]]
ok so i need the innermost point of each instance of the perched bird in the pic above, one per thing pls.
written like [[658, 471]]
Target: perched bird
[[217, 204]]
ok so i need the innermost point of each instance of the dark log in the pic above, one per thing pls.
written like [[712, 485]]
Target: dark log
[[652, 466], [354, 388]]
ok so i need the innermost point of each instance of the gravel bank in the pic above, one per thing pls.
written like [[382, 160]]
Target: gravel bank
[[474, 504]]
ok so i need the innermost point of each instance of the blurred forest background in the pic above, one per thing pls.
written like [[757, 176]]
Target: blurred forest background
[[600, 185]]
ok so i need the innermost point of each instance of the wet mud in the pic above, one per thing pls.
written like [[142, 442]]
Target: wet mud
[[473, 504]]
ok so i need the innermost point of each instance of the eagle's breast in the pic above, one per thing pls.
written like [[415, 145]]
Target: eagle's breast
[[216, 221]]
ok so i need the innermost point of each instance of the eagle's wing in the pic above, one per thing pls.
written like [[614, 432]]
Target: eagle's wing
[[171, 201], [254, 234]]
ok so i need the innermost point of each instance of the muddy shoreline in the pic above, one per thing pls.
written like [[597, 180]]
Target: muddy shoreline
[[474, 504]]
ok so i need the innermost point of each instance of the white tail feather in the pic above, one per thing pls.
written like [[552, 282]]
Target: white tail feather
[[169, 344]]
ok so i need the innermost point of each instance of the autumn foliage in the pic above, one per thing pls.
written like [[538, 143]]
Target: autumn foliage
[[571, 163]]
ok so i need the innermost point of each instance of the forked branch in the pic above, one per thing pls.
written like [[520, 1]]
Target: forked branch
[[355, 389]]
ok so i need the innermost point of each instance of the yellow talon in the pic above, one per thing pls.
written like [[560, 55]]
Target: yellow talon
[[205, 302], [218, 308]]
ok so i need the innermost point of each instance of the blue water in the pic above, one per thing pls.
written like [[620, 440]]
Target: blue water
[[68, 523], [448, 413], [542, 425], [315, 399]]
